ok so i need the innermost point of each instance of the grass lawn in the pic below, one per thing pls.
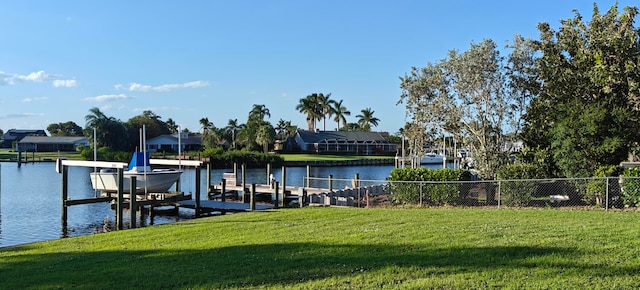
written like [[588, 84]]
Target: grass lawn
[[7, 154], [323, 157], [345, 248]]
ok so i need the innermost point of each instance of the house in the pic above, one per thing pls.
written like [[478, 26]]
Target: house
[[51, 144], [15, 135], [169, 143], [344, 142]]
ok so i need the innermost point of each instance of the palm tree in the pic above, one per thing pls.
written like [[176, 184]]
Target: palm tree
[[366, 119], [340, 112], [258, 112], [206, 125], [171, 125], [307, 106], [233, 127], [325, 106]]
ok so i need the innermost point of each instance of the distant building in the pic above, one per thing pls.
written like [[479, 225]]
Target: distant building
[[15, 135], [344, 142], [51, 144], [169, 143]]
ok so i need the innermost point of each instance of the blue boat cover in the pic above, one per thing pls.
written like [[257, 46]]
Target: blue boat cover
[[138, 159]]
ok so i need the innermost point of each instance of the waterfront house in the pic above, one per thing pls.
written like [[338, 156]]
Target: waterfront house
[[169, 143], [344, 142], [51, 144], [15, 135]]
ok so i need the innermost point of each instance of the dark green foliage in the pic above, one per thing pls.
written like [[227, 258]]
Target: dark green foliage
[[520, 188], [596, 189], [107, 154], [427, 185], [250, 159], [631, 187]]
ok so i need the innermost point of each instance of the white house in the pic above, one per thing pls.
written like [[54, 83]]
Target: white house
[[169, 143]]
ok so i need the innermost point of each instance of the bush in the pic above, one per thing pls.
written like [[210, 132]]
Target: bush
[[596, 189], [430, 185], [519, 190], [630, 194]]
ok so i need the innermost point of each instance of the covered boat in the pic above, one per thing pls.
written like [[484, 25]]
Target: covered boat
[[147, 179]]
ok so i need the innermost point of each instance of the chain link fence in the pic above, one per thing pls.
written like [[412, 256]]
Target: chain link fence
[[604, 192]]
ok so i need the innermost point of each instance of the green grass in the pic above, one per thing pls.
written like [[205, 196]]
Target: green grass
[[323, 157], [7, 154], [345, 248]]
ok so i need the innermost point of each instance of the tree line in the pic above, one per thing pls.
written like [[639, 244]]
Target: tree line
[[572, 96], [256, 134]]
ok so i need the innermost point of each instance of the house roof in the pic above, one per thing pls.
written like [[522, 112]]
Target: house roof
[[186, 140], [25, 131], [342, 136], [52, 140]]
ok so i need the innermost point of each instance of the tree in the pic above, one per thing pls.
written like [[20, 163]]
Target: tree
[[366, 119], [232, 128], [110, 132], [68, 128], [316, 107], [205, 125], [469, 95], [587, 110], [265, 136], [172, 126], [255, 122], [340, 112], [284, 129]]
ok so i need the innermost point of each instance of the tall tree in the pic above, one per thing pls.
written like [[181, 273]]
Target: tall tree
[[366, 119], [110, 132], [469, 95], [232, 128], [587, 109], [172, 126], [68, 128], [340, 111]]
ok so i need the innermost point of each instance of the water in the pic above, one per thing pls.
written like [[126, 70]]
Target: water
[[31, 206]]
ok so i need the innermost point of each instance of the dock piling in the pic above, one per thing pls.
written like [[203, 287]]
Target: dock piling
[[120, 207], [244, 181], [276, 202], [252, 203], [197, 193], [65, 196], [132, 202]]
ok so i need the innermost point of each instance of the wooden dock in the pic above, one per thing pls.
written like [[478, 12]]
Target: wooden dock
[[221, 206]]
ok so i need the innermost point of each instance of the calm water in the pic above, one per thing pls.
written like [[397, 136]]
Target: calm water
[[30, 197]]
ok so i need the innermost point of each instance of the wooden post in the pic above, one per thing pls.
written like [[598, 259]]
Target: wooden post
[[308, 175], [252, 203], [244, 180], [19, 158], [65, 195], [223, 190], [178, 185], [268, 173], [357, 179], [132, 202], [197, 193], [276, 201], [284, 182], [330, 183], [208, 178], [119, 209]]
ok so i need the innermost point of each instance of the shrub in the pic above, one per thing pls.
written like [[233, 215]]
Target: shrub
[[630, 194], [519, 190], [430, 185], [596, 189]]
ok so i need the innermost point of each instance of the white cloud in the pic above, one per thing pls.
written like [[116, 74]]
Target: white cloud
[[23, 115], [107, 98], [36, 77], [65, 83], [136, 87], [29, 100]]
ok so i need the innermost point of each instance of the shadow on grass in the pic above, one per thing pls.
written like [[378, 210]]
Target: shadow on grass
[[270, 265]]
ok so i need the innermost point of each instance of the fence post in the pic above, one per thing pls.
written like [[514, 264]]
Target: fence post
[[499, 197], [420, 203], [308, 175], [606, 202], [330, 183]]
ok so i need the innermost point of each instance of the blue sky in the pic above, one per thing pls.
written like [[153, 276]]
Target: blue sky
[[186, 60]]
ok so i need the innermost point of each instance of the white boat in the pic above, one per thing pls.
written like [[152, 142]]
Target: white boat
[[147, 179], [432, 158]]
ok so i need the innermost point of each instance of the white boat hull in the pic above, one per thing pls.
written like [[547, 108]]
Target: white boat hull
[[432, 159], [154, 181]]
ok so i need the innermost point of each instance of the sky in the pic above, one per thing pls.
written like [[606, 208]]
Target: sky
[[187, 60]]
